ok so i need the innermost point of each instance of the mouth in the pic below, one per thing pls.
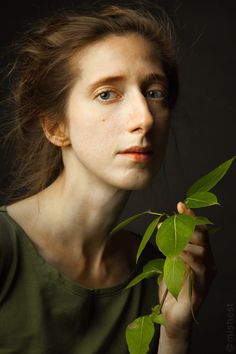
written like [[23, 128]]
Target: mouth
[[138, 157], [138, 153]]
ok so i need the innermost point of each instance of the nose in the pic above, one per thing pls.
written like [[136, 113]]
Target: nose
[[140, 118]]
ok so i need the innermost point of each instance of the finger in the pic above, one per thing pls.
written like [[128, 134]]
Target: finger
[[194, 262], [159, 225], [200, 235], [195, 250], [182, 209], [200, 238], [203, 229], [200, 260], [162, 288]]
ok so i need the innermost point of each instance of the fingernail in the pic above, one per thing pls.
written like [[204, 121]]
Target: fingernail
[[181, 208]]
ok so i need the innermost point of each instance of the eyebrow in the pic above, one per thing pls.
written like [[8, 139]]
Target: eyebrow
[[147, 80]]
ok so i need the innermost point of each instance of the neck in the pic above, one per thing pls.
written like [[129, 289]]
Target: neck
[[81, 214]]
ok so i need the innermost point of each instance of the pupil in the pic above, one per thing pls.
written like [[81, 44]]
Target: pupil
[[105, 95], [154, 94]]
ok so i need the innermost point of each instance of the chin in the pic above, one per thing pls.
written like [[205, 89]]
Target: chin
[[135, 183], [140, 185], [141, 179]]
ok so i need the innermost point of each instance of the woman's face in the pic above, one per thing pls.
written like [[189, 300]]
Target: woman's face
[[118, 103]]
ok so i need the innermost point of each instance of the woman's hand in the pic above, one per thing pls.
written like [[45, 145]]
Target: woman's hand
[[178, 316]]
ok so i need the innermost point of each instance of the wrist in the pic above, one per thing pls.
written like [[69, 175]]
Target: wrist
[[170, 343]]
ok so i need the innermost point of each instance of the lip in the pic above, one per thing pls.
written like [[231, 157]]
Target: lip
[[137, 149], [138, 153]]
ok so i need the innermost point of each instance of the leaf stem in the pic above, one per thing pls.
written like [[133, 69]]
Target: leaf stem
[[163, 299], [190, 284], [154, 213]]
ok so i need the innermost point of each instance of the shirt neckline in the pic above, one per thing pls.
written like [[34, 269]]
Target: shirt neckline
[[62, 280]]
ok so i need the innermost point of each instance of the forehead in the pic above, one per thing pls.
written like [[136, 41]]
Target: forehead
[[116, 55]]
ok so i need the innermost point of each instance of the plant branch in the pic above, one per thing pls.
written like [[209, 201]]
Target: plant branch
[[154, 213], [163, 299]]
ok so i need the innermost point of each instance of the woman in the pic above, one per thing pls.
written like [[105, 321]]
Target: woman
[[94, 93]]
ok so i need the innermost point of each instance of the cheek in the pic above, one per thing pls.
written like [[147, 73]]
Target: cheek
[[94, 135]]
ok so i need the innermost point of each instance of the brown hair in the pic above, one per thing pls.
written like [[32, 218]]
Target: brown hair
[[43, 78]]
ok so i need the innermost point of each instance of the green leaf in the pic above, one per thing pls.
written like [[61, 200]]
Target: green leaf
[[160, 319], [156, 309], [159, 279], [201, 200], [156, 316], [174, 269], [139, 335], [147, 235], [127, 221], [151, 269], [190, 292], [208, 181], [174, 234], [202, 220], [155, 265], [214, 229]]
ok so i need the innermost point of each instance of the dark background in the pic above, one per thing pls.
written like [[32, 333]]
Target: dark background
[[203, 136]]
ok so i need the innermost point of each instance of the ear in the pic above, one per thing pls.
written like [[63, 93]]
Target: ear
[[55, 132]]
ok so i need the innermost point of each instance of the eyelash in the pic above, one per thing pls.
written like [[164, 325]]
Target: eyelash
[[102, 92], [163, 93]]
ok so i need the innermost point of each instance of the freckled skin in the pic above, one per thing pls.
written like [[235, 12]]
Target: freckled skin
[[79, 209], [129, 118]]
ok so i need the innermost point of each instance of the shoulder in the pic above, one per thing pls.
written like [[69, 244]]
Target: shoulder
[[7, 241], [10, 253], [6, 227]]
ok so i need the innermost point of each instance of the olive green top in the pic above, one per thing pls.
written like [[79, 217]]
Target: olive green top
[[44, 312]]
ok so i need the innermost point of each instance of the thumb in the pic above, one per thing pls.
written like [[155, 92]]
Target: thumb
[[182, 209]]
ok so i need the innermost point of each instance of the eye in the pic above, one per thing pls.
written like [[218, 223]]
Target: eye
[[156, 94], [106, 95]]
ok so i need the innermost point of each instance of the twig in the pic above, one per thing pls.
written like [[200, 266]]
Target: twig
[[163, 298]]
